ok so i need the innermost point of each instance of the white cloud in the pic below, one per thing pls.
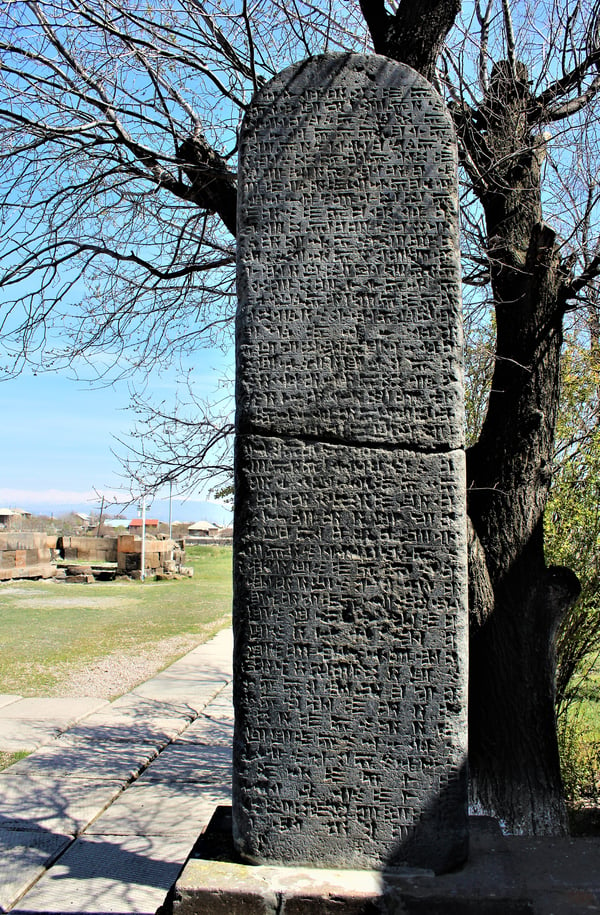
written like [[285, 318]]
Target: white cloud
[[57, 496]]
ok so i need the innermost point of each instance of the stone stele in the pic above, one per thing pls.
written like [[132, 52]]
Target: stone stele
[[350, 609]]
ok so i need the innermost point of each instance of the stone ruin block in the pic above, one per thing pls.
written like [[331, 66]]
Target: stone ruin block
[[350, 612], [127, 544], [23, 540], [153, 560], [25, 554], [129, 562], [91, 549], [156, 553]]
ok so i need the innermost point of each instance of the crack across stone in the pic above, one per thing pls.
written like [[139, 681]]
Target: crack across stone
[[338, 440]]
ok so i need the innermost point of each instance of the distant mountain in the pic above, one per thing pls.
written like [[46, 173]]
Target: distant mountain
[[185, 511]]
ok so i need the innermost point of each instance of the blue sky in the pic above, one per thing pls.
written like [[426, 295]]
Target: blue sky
[[57, 435]]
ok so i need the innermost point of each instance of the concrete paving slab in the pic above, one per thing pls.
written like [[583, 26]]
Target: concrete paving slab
[[192, 666], [68, 709], [136, 833], [194, 693], [115, 728], [28, 723], [80, 759], [187, 763], [108, 874], [207, 732], [158, 809], [217, 652], [210, 657], [139, 708], [210, 662], [221, 708], [27, 735], [57, 804], [7, 698], [25, 855]]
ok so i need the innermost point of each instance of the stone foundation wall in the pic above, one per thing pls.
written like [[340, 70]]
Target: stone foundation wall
[[98, 549], [26, 554]]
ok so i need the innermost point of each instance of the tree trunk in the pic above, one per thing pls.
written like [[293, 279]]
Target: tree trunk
[[414, 34], [513, 756], [513, 748]]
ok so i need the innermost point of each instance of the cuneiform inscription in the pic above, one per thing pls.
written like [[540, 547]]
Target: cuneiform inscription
[[349, 577], [348, 282], [349, 543]]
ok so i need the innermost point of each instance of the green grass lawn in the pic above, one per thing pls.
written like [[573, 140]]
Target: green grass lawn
[[7, 758], [48, 628]]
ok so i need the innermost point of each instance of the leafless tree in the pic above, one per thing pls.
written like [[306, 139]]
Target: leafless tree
[[183, 440], [119, 136]]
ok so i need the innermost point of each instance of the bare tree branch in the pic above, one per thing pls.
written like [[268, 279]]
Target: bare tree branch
[[584, 279], [546, 103], [484, 22], [510, 37]]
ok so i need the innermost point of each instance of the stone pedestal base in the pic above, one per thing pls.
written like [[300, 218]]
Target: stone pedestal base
[[504, 876]]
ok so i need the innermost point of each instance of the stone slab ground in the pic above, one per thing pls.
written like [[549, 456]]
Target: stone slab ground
[[29, 723], [101, 819]]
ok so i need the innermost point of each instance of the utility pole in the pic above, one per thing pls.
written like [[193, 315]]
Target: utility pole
[[143, 559], [98, 533]]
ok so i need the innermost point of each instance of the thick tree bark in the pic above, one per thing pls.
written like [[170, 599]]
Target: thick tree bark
[[517, 602], [213, 186], [414, 34], [515, 770]]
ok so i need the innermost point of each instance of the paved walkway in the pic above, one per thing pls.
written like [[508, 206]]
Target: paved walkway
[[102, 815]]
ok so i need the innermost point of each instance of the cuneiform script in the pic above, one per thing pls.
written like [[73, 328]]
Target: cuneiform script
[[350, 301], [349, 544]]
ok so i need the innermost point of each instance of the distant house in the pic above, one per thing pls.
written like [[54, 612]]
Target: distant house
[[135, 525], [202, 529], [224, 533], [11, 517]]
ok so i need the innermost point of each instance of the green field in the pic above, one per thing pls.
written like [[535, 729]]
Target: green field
[[50, 630]]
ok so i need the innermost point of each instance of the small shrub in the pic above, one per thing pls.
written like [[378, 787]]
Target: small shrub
[[579, 743]]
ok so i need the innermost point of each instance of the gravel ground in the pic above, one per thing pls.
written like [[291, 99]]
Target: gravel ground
[[120, 672]]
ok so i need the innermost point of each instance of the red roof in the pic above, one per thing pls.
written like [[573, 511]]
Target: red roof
[[137, 522]]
